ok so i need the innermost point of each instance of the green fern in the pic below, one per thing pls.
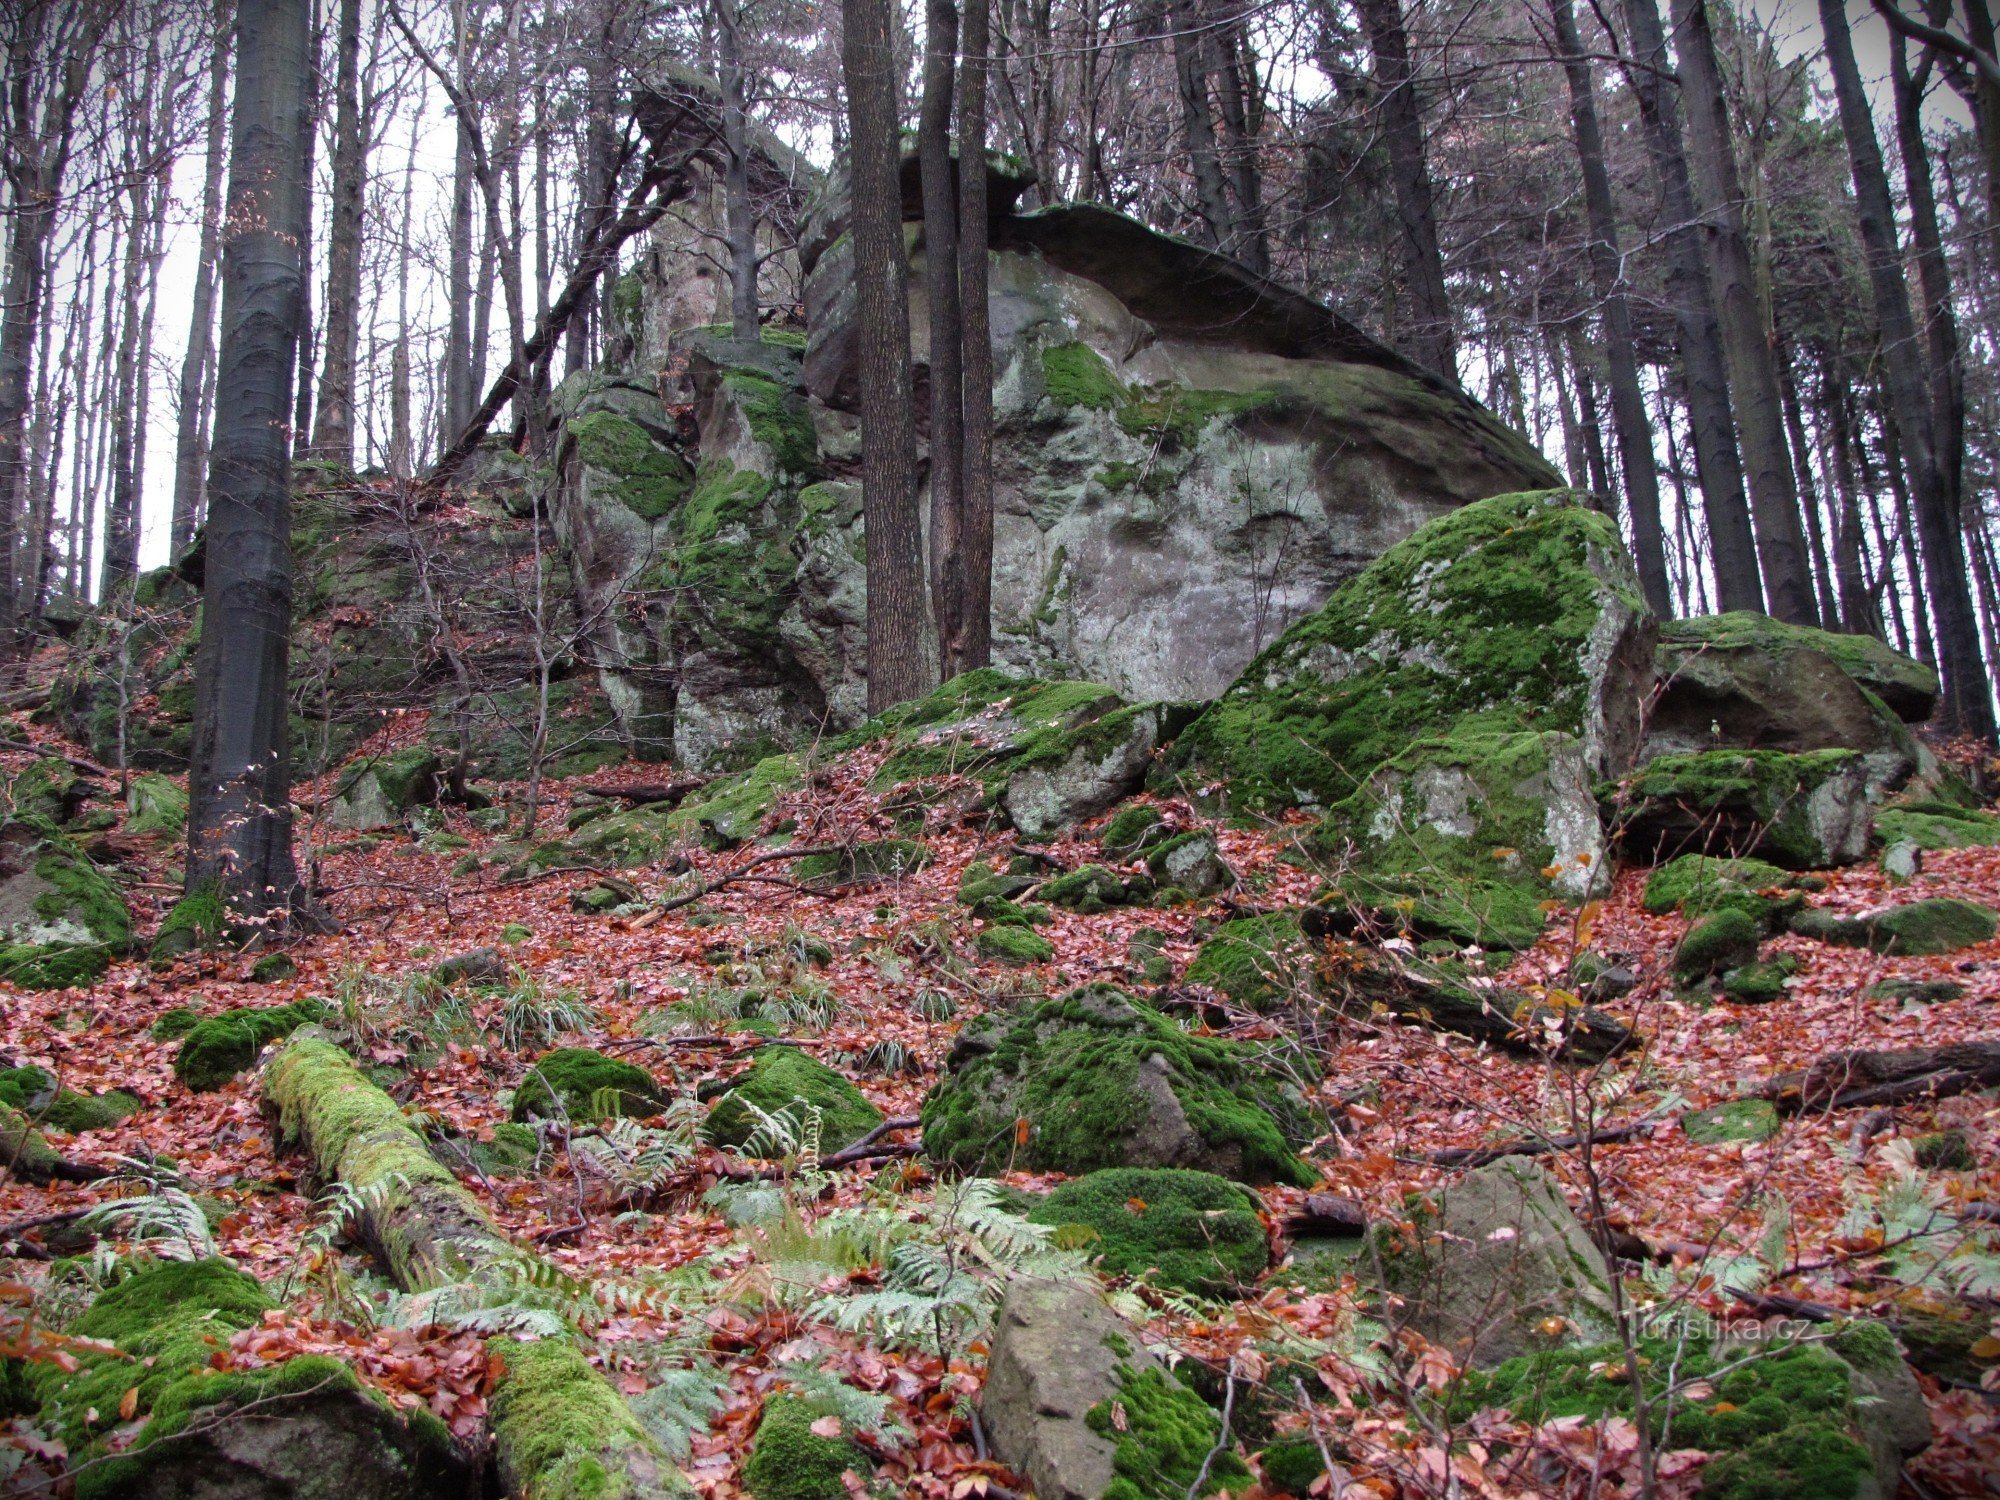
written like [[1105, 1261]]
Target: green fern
[[166, 1221]]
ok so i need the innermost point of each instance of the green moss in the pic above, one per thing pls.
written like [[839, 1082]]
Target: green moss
[[1938, 924], [34, 1093], [1291, 1466], [1917, 991], [1076, 375], [1937, 825], [1255, 961], [650, 479], [779, 418], [274, 968], [1070, 1067], [1738, 1120], [789, 1461], [1482, 619], [1162, 1434], [219, 1048], [1131, 831], [1901, 681], [47, 789], [81, 895], [53, 966], [1722, 941], [1089, 889], [198, 920], [868, 860], [1696, 884], [1945, 1151], [778, 1080], [514, 1148], [1194, 1230], [1759, 983], [1013, 944], [577, 1083], [155, 804], [557, 1422], [1179, 414], [408, 777], [174, 1024], [1741, 801]]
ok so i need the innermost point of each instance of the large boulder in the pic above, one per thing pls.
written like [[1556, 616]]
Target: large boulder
[[1101, 1080], [1515, 614], [61, 918], [1806, 811], [381, 791]]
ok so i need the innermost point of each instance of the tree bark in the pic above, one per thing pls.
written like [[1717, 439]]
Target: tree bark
[[1427, 333], [1628, 399], [1933, 273], [458, 374], [333, 418], [1753, 375], [1711, 423], [239, 780], [198, 365], [1966, 706], [1214, 224], [896, 668], [739, 214], [947, 363], [974, 646]]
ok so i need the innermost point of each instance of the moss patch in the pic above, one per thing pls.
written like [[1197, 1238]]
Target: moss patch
[[1697, 884], [1076, 375], [217, 1049], [1738, 1120], [53, 966], [1013, 944], [1166, 1433], [651, 480], [1716, 943], [155, 804], [1939, 924], [778, 1080], [1737, 802], [789, 1461], [1937, 825], [1255, 961], [1194, 1230], [197, 920], [557, 1424], [578, 1083]]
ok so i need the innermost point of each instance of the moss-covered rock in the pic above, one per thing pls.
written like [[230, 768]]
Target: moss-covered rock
[[1131, 832], [1256, 961], [1516, 613], [1737, 1120], [1937, 825], [1103, 1081], [1937, 924], [1014, 944], [1290, 1466], [53, 966], [1723, 940], [1162, 1434], [47, 789], [1088, 889], [274, 968], [1190, 863], [577, 1083], [36, 1095], [198, 920], [1473, 837], [172, 1025], [1804, 812], [782, 1078], [1192, 1230], [869, 860], [381, 791], [61, 918], [1917, 991], [155, 803], [789, 1461], [1759, 983], [1905, 684], [219, 1048], [1698, 884], [1945, 1151]]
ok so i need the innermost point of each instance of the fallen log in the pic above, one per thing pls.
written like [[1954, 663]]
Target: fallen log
[[427, 1229], [26, 1154], [1326, 1216], [1501, 1018], [1479, 1156], [646, 793], [1851, 1080]]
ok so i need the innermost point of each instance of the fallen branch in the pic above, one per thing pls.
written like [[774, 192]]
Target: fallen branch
[[1857, 1079], [854, 1153], [741, 872], [74, 762], [25, 1153], [1479, 1156], [1500, 1018], [428, 1230], [650, 793]]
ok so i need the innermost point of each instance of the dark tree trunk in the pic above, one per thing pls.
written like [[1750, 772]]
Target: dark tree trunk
[[947, 364], [1426, 333], [333, 419], [1711, 423], [198, 365], [1933, 274], [896, 670], [1240, 118], [1753, 375], [974, 647], [1214, 224], [239, 781], [1628, 400], [459, 381], [1966, 706], [302, 376], [739, 214]]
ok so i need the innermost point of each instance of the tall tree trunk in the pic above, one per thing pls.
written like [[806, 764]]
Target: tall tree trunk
[[239, 780], [1240, 121], [302, 407], [333, 419], [1711, 423], [402, 442], [896, 670], [198, 364], [459, 382], [1215, 225], [947, 363], [1933, 274], [974, 647], [1858, 612], [1753, 374], [739, 214], [1628, 399], [1427, 333], [1966, 706]]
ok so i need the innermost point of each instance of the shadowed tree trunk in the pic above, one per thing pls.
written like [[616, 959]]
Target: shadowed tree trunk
[[1711, 423], [239, 779], [1933, 273], [1426, 332], [946, 330], [1198, 125], [1628, 400], [896, 670], [974, 646], [333, 419], [739, 215], [1753, 374], [1966, 706], [198, 365]]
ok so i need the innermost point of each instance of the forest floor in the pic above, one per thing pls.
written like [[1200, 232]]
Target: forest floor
[[1814, 1201]]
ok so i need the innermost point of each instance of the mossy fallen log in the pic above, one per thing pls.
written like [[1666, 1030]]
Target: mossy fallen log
[[27, 1155], [562, 1431]]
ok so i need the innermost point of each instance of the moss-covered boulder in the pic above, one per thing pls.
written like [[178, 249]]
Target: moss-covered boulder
[[1907, 686], [868, 861], [1088, 889], [35, 1094], [61, 919], [789, 1461], [220, 1047], [1831, 1417], [1805, 812], [306, 1428], [1191, 1230], [787, 1079], [1938, 924], [577, 1083], [198, 920], [1496, 1265], [1473, 837], [1761, 982], [1723, 940], [1256, 961], [47, 789], [1917, 991], [380, 791], [1190, 863], [1934, 824], [1517, 613], [1738, 1120], [155, 803], [1104, 1081], [1697, 884], [1131, 832], [1013, 943]]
